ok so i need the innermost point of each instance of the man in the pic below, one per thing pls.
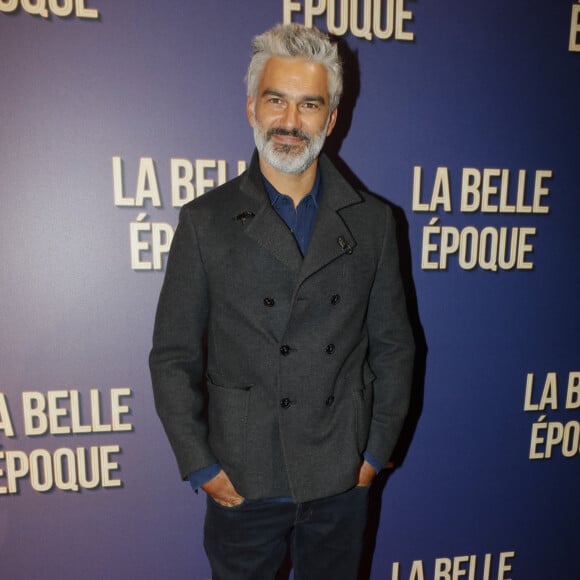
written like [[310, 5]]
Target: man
[[290, 279]]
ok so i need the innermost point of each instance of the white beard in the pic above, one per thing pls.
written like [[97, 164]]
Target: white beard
[[293, 159]]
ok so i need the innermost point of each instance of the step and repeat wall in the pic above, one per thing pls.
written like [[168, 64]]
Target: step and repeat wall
[[464, 115]]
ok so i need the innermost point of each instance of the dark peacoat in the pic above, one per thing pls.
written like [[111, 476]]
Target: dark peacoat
[[307, 360]]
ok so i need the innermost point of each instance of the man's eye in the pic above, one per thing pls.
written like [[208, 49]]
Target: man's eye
[[310, 106]]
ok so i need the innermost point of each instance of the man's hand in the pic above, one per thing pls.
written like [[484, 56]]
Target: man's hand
[[222, 490], [366, 474]]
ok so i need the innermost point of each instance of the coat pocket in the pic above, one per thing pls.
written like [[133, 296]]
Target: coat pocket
[[362, 392], [228, 408]]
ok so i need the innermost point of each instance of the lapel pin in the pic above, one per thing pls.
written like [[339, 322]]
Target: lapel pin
[[344, 245]]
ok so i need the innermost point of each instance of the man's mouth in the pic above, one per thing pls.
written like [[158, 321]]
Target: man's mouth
[[292, 136]]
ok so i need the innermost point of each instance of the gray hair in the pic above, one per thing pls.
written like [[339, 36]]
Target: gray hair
[[295, 41]]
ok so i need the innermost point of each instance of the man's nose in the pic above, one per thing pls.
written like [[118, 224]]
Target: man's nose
[[291, 118]]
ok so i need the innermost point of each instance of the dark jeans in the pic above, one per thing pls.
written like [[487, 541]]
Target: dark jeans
[[249, 541]]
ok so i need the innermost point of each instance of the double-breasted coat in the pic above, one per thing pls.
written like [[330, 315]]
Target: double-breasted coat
[[307, 360]]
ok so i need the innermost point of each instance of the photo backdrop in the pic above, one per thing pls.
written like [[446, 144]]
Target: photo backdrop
[[464, 115]]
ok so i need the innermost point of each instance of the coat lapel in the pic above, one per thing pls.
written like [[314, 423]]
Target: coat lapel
[[331, 237], [264, 226]]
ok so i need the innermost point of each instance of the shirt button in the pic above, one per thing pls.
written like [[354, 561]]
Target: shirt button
[[335, 299], [285, 403], [269, 302], [284, 350], [330, 349], [330, 400]]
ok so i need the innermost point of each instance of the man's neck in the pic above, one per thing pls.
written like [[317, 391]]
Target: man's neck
[[294, 185]]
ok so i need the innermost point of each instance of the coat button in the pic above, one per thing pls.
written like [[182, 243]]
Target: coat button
[[330, 349], [284, 350], [335, 299], [269, 302], [285, 403], [330, 400]]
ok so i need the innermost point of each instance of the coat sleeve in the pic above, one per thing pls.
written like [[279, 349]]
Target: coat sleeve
[[391, 349], [177, 358]]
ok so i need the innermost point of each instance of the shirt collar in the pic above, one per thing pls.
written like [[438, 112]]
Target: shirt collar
[[276, 197]]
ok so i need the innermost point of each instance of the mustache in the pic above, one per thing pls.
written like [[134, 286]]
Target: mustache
[[296, 133]]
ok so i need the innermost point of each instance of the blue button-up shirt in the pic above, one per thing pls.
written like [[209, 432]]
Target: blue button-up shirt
[[300, 220]]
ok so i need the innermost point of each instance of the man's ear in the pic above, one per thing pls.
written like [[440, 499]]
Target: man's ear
[[332, 121], [250, 111]]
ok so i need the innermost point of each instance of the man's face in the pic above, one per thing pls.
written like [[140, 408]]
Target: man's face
[[290, 114]]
